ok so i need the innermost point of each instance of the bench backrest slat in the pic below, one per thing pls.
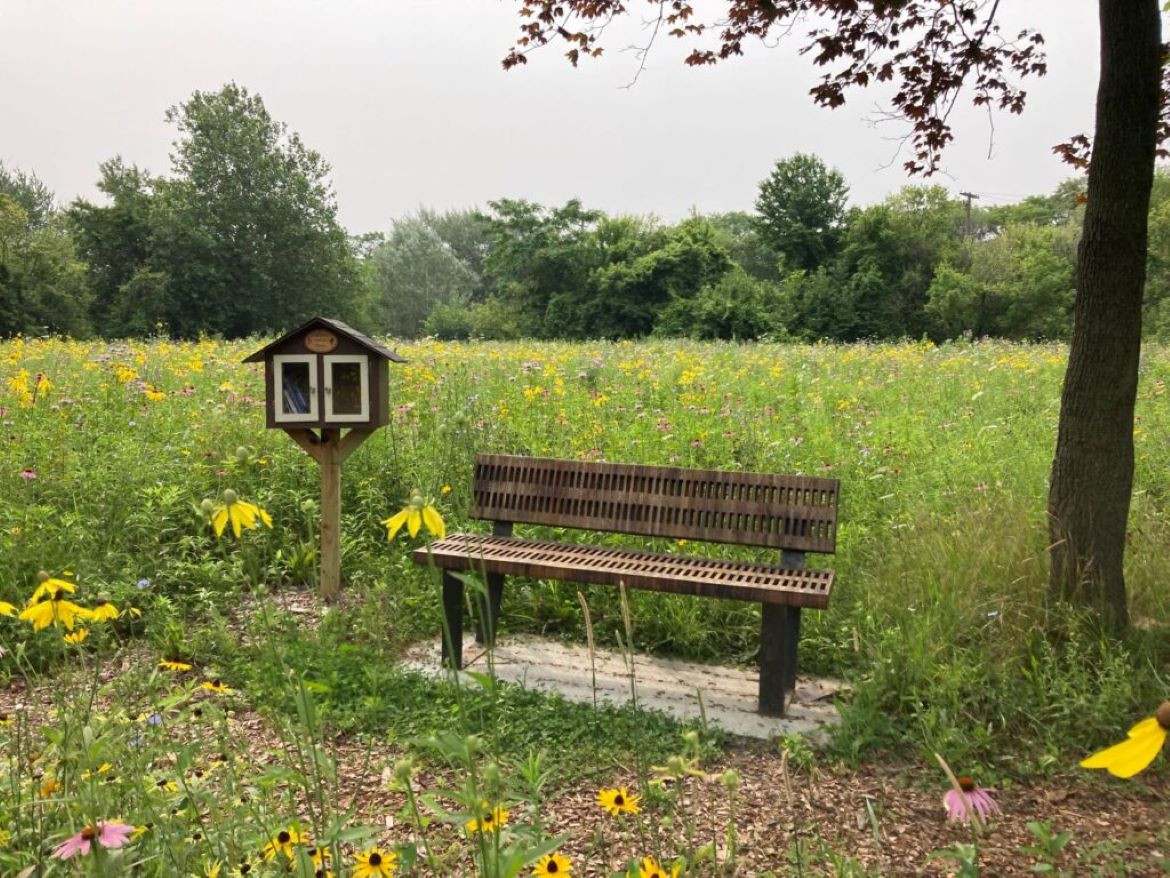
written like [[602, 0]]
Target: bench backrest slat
[[798, 513]]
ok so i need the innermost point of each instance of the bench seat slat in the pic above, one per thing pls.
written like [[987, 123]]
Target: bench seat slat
[[735, 580]]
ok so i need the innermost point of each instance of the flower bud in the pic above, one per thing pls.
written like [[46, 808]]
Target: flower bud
[[230, 497], [206, 507], [1162, 715], [473, 743], [403, 770], [42, 576], [491, 775], [730, 780], [242, 453]]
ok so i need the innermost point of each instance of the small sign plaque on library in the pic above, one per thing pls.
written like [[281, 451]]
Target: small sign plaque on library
[[325, 376]]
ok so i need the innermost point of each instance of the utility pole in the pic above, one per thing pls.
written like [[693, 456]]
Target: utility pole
[[969, 196]]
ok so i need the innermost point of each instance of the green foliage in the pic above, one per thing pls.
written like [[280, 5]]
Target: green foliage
[[246, 229], [801, 211], [737, 306], [415, 271], [1019, 285], [43, 286], [115, 242]]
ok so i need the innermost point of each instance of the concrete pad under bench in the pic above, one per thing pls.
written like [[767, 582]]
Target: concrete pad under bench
[[668, 685]]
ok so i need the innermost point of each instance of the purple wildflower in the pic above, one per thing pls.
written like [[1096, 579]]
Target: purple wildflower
[[969, 802]]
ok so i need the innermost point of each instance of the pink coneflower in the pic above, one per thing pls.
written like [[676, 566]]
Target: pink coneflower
[[28, 474], [968, 801], [107, 835]]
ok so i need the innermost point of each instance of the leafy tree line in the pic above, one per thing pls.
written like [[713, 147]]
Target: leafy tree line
[[243, 238]]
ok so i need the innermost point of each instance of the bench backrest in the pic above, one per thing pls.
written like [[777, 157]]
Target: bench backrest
[[796, 513]]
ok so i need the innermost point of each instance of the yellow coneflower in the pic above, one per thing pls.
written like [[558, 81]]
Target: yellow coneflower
[[77, 636], [51, 609], [47, 585], [103, 611], [240, 513], [414, 515], [7, 609], [1140, 747], [49, 787], [177, 667]]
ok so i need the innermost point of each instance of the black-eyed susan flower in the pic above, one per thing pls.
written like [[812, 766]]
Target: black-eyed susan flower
[[553, 864], [217, 686], [488, 820], [650, 868], [240, 513], [414, 515], [177, 667], [5, 718], [1141, 746], [75, 637], [375, 863], [101, 769], [283, 843], [618, 801], [103, 611], [244, 869], [52, 609]]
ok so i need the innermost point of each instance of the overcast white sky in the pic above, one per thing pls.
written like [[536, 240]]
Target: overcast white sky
[[406, 99]]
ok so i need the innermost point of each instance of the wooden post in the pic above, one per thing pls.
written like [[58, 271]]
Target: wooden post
[[330, 463], [330, 450]]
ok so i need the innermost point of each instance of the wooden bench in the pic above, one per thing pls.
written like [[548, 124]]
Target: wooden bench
[[795, 514]]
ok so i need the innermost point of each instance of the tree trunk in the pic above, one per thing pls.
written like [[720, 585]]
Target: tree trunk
[[1092, 472]]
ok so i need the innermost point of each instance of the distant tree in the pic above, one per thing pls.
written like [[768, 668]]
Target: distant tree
[[468, 234], [42, 283], [630, 293], [115, 241], [537, 254], [737, 306], [30, 193], [878, 285], [740, 235], [246, 230], [1065, 206], [801, 211], [1020, 285], [414, 271]]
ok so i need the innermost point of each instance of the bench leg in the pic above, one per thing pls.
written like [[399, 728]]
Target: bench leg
[[452, 621], [779, 636], [486, 622]]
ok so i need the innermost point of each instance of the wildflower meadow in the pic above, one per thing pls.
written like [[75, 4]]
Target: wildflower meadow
[[175, 701]]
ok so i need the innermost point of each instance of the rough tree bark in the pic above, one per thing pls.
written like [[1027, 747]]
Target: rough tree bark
[[1092, 471]]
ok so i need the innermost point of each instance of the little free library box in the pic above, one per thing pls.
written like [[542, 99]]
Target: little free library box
[[326, 374]]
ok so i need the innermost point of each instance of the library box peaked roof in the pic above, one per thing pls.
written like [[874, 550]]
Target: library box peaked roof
[[333, 326]]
